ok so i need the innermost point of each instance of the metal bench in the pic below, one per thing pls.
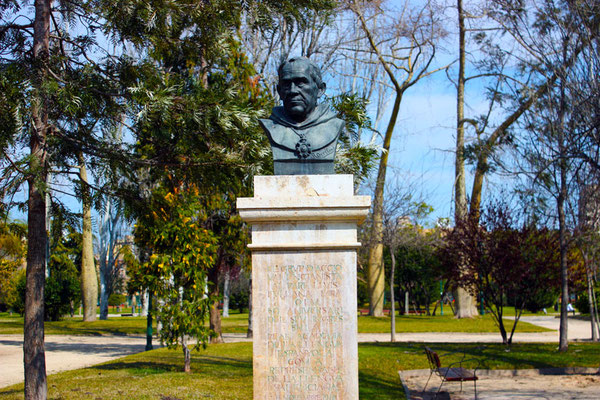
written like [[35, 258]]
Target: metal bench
[[452, 373]]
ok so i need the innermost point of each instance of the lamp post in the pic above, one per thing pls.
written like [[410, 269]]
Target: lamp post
[[149, 324], [442, 297]]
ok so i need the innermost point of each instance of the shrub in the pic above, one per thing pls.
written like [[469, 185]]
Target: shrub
[[362, 296], [18, 301], [541, 299], [61, 294], [115, 300], [62, 291], [583, 303], [239, 301]]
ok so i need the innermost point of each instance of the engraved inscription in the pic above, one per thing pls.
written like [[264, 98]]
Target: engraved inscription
[[305, 331]]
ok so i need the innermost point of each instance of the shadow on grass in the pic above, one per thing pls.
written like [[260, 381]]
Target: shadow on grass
[[115, 349], [375, 387], [211, 365], [491, 355], [514, 356], [140, 367], [18, 391], [520, 355]]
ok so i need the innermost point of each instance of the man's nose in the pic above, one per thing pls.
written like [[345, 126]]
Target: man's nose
[[293, 88]]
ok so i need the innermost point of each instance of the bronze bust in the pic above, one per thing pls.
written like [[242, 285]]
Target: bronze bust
[[302, 133]]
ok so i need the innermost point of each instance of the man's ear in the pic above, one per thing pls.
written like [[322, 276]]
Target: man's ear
[[322, 89], [279, 91]]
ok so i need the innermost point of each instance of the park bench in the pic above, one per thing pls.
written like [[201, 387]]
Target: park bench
[[452, 373]]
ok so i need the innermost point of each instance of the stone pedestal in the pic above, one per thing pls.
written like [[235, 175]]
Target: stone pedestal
[[304, 285]]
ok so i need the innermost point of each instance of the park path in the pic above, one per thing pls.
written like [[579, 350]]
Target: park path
[[66, 352]]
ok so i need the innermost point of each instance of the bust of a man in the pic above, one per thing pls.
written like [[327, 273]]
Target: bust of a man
[[302, 133]]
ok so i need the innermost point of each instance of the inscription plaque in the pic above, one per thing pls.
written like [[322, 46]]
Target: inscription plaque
[[305, 326]]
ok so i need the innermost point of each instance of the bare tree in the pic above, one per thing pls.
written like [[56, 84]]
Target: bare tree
[[111, 232], [403, 43], [403, 208], [587, 240], [555, 34]]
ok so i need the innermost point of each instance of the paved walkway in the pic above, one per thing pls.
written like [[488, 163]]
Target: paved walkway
[[579, 384], [579, 330], [65, 353], [72, 352]]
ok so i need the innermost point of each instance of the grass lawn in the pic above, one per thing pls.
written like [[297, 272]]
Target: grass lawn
[[238, 323], [76, 326], [446, 323], [225, 371]]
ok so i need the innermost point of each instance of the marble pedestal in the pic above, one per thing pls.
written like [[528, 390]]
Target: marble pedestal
[[304, 285]]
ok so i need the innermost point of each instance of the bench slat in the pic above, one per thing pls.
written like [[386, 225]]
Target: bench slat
[[457, 374]]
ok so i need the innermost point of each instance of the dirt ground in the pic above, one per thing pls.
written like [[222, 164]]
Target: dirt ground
[[497, 385]]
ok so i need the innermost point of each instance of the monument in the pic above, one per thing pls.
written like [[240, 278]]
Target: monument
[[302, 133], [304, 244]]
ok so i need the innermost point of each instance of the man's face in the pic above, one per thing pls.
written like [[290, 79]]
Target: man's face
[[298, 90]]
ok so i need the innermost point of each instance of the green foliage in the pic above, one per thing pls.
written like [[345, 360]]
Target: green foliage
[[353, 156], [239, 300], [541, 299], [17, 303], [63, 290], [582, 304], [12, 257], [419, 272], [115, 299], [182, 252], [362, 295], [239, 289], [418, 267]]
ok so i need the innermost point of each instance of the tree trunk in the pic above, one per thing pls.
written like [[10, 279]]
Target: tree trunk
[[34, 360], [563, 337], [392, 298], [33, 343], [215, 323], [103, 297], [465, 305], [460, 192], [464, 301], [594, 309], [376, 270], [149, 322], [89, 279], [563, 343], [226, 290], [145, 301], [215, 315], [187, 356], [590, 292]]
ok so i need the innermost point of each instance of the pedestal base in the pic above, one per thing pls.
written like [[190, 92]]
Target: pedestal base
[[304, 285]]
